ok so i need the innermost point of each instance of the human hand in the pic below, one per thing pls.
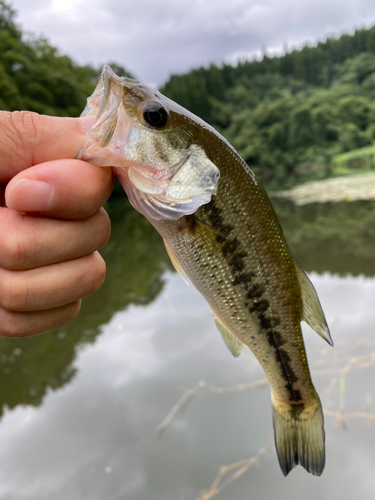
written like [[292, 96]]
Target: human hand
[[51, 226]]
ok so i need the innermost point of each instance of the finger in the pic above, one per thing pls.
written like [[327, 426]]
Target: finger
[[51, 286], [17, 325], [28, 242], [27, 139], [69, 189]]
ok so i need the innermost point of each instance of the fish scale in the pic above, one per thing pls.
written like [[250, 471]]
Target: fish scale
[[231, 302], [222, 233]]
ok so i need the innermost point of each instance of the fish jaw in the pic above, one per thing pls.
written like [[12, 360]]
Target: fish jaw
[[111, 131], [164, 174]]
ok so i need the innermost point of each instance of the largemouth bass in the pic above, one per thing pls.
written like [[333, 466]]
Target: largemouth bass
[[222, 234]]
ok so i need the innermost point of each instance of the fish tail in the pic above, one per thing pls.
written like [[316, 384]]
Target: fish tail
[[299, 435]]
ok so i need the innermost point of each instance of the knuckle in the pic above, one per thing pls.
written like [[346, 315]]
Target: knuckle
[[18, 126], [25, 124], [19, 131]]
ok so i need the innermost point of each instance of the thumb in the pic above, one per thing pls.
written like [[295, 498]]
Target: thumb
[[27, 139]]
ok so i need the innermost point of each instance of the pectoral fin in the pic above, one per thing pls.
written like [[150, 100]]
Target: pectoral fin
[[175, 263], [212, 239], [232, 342], [312, 313]]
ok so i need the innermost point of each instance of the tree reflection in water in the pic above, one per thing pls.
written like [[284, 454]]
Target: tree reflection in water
[[337, 238], [136, 260]]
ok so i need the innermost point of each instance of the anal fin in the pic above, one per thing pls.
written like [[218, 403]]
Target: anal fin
[[232, 342], [312, 313], [175, 263]]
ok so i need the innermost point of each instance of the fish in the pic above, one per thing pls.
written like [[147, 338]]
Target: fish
[[222, 235]]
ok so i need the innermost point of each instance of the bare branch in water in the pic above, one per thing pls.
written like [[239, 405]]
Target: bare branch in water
[[200, 388], [342, 417], [338, 380], [175, 408], [242, 466]]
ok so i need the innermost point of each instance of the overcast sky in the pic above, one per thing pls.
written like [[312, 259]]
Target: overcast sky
[[154, 38]]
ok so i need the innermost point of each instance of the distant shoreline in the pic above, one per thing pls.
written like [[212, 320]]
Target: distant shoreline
[[348, 188]]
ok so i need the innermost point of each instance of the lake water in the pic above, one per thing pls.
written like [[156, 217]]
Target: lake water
[[80, 406]]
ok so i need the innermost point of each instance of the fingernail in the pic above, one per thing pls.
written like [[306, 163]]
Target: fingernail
[[87, 123], [29, 195]]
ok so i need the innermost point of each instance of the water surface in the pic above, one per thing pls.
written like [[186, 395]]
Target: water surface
[[80, 406]]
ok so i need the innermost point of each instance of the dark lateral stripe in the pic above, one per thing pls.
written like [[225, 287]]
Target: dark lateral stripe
[[217, 220], [243, 279], [256, 291], [235, 257], [260, 305], [275, 340]]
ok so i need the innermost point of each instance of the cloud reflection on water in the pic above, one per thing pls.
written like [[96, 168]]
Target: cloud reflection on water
[[128, 380]]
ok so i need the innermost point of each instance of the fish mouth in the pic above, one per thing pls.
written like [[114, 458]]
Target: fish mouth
[[110, 132]]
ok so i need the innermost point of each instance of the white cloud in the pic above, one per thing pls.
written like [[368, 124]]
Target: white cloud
[[154, 39]]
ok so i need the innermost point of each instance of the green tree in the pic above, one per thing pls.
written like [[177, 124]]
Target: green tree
[[35, 77]]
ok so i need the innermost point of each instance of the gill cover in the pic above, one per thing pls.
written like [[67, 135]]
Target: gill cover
[[164, 174]]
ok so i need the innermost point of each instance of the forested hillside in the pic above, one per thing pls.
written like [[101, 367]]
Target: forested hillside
[[308, 114], [34, 76], [290, 116]]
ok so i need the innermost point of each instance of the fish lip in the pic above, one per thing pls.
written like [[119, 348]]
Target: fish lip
[[121, 89], [108, 74], [128, 85], [111, 130]]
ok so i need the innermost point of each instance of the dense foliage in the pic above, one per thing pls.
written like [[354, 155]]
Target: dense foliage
[[34, 76], [290, 116]]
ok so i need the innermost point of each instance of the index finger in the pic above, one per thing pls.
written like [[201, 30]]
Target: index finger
[[27, 139]]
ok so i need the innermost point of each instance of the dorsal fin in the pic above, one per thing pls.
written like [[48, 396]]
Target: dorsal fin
[[232, 342], [312, 312], [175, 263]]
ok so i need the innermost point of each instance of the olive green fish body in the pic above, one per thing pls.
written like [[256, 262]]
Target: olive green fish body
[[221, 232], [234, 252]]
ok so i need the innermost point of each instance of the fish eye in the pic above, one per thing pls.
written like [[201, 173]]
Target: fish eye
[[155, 115]]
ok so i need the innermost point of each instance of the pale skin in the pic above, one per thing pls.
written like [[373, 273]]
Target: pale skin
[[51, 222]]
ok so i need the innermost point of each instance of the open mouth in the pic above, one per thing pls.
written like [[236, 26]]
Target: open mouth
[[109, 135]]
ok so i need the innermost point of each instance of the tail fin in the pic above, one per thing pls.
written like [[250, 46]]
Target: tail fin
[[299, 436]]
